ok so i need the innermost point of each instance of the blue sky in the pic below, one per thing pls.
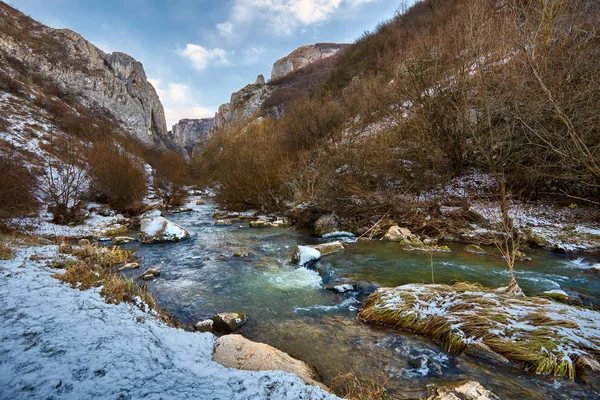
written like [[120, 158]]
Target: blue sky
[[197, 52]]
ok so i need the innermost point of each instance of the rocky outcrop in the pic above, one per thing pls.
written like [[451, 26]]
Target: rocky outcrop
[[304, 56], [235, 351], [243, 104], [114, 83], [189, 133]]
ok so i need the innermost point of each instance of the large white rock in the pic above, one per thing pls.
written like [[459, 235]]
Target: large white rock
[[160, 230], [235, 351]]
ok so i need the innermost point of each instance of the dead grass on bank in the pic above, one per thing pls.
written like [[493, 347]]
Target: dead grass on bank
[[541, 347], [350, 387], [93, 265]]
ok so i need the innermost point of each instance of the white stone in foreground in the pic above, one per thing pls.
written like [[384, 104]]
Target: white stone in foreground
[[160, 230], [57, 342]]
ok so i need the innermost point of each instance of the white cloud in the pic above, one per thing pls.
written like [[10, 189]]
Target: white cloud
[[202, 58], [225, 29], [252, 54], [283, 16], [178, 102]]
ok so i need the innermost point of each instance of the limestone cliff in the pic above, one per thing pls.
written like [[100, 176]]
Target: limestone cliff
[[188, 133], [304, 56], [114, 83]]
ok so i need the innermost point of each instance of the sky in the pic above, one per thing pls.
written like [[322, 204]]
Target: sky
[[197, 52]]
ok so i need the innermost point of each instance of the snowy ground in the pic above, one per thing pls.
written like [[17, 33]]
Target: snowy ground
[[57, 342]]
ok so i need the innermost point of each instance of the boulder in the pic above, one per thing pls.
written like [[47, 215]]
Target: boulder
[[305, 255], [474, 249], [151, 214], [260, 80], [470, 390], [206, 325], [128, 266], [588, 370], [326, 224], [397, 234], [229, 322], [182, 210], [225, 215], [160, 230], [483, 352], [150, 274], [242, 253], [537, 240], [235, 351], [261, 223], [328, 248]]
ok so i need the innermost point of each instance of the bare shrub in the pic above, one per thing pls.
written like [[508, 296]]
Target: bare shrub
[[172, 174], [116, 178], [17, 188]]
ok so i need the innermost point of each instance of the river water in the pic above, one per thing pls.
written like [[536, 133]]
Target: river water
[[289, 308]]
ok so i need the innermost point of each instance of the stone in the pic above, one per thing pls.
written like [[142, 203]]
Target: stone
[[223, 222], [129, 266], [470, 390], [346, 287], [282, 222], [260, 80], [304, 255], [326, 224], [474, 249], [204, 326], [588, 370], [595, 268], [225, 215], [160, 230], [182, 210], [150, 274], [538, 241], [122, 240], [397, 234], [235, 351], [242, 253], [229, 322], [483, 352], [84, 243], [200, 202], [151, 214], [261, 223]]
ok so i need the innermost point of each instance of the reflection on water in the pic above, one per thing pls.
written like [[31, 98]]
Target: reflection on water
[[289, 308]]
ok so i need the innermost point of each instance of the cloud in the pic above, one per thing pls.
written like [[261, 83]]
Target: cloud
[[225, 29], [252, 55], [283, 16], [178, 102], [202, 58]]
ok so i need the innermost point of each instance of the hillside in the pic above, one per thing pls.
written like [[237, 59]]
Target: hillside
[[440, 92]]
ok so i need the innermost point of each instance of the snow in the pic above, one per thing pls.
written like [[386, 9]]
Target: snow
[[160, 229], [306, 255], [57, 342], [94, 226]]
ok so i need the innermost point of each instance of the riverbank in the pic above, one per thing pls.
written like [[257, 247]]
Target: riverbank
[[60, 342]]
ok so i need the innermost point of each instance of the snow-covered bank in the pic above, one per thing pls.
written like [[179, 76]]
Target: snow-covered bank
[[56, 342]]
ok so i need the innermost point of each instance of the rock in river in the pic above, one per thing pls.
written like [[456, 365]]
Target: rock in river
[[229, 322], [160, 230], [235, 351]]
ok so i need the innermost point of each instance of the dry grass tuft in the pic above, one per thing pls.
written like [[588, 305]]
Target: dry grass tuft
[[524, 330], [353, 388]]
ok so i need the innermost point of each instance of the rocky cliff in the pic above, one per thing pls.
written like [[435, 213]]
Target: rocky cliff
[[114, 83], [304, 56], [188, 133]]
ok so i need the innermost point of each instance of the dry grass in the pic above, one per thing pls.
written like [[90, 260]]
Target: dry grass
[[353, 388], [520, 329], [93, 267], [6, 253]]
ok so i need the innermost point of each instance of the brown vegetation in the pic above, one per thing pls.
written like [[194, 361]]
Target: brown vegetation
[[116, 178], [17, 188], [509, 88], [171, 175]]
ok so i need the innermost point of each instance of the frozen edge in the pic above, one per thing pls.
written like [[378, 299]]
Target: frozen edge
[[56, 342]]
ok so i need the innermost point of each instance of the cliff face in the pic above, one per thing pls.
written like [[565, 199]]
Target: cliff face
[[304, 56], [114, 83], [188, 133]]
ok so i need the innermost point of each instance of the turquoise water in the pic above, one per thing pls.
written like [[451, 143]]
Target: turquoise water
[[288, 307]]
